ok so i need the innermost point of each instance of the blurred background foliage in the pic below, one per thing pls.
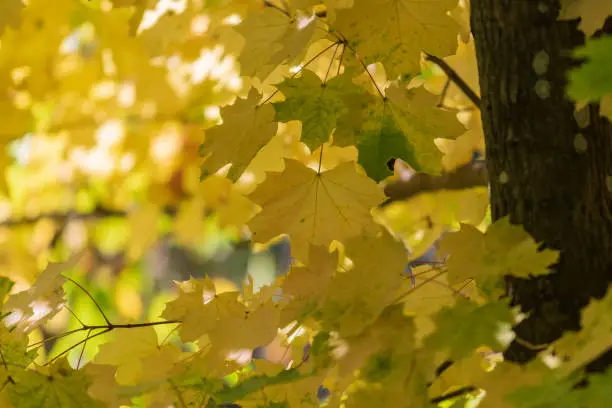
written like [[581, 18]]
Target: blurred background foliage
[[100, 135], [100, 155]]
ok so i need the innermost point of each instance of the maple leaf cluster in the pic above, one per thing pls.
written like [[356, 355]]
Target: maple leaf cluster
[[126, 123]]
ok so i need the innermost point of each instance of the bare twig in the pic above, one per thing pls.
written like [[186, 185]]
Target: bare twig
[[454, 394], [92, 299]]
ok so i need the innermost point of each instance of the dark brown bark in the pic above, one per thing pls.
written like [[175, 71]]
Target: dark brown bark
[[541, 172]]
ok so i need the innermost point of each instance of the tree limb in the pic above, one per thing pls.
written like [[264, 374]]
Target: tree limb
[[472, 174]]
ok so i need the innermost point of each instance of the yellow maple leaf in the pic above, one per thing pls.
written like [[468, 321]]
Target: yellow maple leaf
[[104, 386], [246, 128], [261, 325], [579, 348], [505, 249], [461, 150], [143, 229], [272, 38], [192, 308], [220, 196], [357, 297], [421, 219], [190, 223], [314, 208], [126, 350], [305, 286], [137, 356], [395, 32], [464, 63], [261, 31], [592, 13], [32, 307]]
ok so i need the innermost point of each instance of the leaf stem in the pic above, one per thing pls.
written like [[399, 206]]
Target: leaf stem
[[331, 62], [300, 70], [92, 299], [382, 95]]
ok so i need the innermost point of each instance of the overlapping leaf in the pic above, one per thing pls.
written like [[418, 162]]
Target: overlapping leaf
[[504, 249], [318, 105], [402, 126], [395, 32], [246, 128], [314, 208], [592, 81]]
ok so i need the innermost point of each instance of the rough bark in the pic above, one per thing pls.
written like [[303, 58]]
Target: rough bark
[[541, 171]]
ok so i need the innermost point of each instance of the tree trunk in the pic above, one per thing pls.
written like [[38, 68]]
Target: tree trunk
[[547, 165]]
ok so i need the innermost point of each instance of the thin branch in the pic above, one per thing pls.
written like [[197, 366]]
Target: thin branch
[[9, 380], [331, 62], [73, 314], [92, 299], [341, 58], [3, 360], [456, 292], [454, 394], [420, 285], [453, 76], [178, 394], [62, 217], [83, 350], [76, 345], [55, 337], [447, 83], [382, 95]]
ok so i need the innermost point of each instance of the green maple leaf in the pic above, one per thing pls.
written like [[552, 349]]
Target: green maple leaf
[[598, 394], [63, 387], [551, 393], [380, 141], [593, 79], [466, 326], [316, 104], [402, 126]]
